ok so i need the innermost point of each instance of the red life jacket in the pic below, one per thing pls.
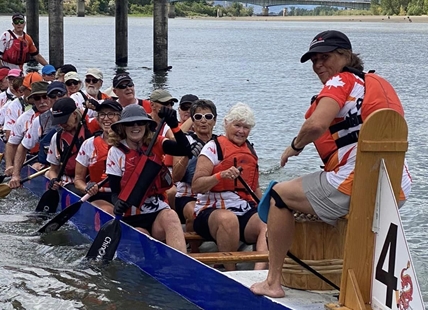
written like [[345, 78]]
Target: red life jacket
[[63, 141], [243, 156], [161, 183], [98, 169], [18, 50], [145, 103]]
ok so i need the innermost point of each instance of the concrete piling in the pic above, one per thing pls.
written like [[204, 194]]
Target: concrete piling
[[32, 21], [122, 32], [80, 8], [160, 35], [56, 33]]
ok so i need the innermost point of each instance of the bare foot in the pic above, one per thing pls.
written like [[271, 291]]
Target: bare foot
[[263, 288]]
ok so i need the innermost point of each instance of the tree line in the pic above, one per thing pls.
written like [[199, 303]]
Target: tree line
[[204, 8]]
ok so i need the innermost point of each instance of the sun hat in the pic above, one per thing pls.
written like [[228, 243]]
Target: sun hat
[[327, 41], [134, 113], [162, 95], [121, 77], [62, 109], [71, 76], [38, 88], [56, 85], [96, 73], [30, 78], [15, 73], [189, 98], [109, 103], [48, 69]]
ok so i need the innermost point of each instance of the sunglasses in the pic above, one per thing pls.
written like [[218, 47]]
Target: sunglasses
[[109, 115], [55, 95], [138, 123], [72, 82], [38, 98], [185, 107], [123, 86], [207, 116], [19, 21], [51, 74], [93, 81]]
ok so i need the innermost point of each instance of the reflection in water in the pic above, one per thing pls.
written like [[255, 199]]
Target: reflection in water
[[159, 79]]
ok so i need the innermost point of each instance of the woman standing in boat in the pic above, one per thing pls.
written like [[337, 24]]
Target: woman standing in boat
[[131, 138], [92, 157], [225, 211], [332, 124]]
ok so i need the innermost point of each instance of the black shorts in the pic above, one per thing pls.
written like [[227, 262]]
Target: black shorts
[[200, 225], [142, 220], [180, 203]]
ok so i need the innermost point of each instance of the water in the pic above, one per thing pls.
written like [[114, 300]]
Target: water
[[225, 61]]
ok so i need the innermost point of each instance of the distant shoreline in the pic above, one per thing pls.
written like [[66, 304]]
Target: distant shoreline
[[336, 18]]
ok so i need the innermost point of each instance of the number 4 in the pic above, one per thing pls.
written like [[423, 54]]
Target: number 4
[[387, 277]]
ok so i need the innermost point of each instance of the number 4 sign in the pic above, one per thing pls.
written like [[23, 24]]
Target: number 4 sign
[[394, 282]]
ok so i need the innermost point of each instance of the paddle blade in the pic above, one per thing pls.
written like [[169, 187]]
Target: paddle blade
[[106, 242], [61, 218], [4, 190], [49, 202]]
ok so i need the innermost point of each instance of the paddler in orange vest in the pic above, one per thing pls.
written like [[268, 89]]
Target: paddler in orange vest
[[92, 157], [332, 123], [150, 214], [225, 212]]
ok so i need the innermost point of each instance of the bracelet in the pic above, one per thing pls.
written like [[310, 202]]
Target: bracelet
[[176, 129], [294, 147], [218, 176]]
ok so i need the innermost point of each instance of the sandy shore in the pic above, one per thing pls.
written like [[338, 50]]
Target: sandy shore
[[356, 18]]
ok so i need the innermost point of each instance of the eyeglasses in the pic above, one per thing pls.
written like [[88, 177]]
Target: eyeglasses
[[18, 21], [38, 98], [72, 82], [93, 81], [138, 123], [109, 115], [55, 95], [207, 116], [123, 86], [185, 107]]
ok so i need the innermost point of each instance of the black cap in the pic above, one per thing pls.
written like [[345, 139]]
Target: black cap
[[189, 98], [109, 103], [58, 86], [68, 68], [326, 42], [18, 16], [121, 77], [62, 110]]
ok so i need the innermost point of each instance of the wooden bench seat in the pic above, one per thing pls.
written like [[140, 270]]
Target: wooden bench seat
[[192, 236], [231, 257]]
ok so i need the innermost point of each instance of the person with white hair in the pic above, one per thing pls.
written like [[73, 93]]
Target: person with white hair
[[225, 212]]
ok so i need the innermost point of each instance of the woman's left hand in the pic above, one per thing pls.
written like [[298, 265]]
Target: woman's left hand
[[91, 188], [231, 173], [288, 153]]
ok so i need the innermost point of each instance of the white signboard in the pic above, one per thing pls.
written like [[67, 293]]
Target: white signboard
[[394, 282]]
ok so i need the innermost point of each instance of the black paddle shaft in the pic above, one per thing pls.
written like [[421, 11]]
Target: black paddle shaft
[[289, 254]]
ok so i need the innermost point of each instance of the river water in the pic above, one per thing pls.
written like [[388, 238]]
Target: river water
[[227, 62]]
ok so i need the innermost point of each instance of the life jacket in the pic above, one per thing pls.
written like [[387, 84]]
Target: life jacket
[[378, 94], [18, 50], [98, 169], [243, 156], [145, 103], [191, 164], [159, 184], [63, 142], [47, 132]]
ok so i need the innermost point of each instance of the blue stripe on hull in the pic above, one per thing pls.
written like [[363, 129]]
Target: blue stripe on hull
[[196, 282]]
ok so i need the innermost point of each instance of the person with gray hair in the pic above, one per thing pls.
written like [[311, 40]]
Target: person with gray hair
[[225, 212]]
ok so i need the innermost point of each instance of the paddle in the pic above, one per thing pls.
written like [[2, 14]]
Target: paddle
[[107, 240], [25, 163], [50, 199], [289, 254], [5, 188], [62, 217]]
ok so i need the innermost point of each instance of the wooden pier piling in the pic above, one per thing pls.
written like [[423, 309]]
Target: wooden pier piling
[[122, 32], [160, 35], [56, 33], [32, 21], [80, 8]]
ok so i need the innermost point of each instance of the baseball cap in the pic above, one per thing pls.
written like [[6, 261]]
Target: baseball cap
[[38, 88], [17, 16], [96, 73], [56, 86], [109, 103], [71, 76], [30, 78], [67, 68], [3, 73], [189, 98], [327, 41], [162, 95], [62, 110], [15, 72], [121, 77], [48, 69]]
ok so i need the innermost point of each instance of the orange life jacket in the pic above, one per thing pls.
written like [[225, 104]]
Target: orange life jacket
[[243, 156], [18, 50], [98, 169], [145, 103]]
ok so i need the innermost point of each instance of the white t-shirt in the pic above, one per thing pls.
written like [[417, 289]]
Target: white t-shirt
[[54, 157], [78, 98], [21, 126], [13, 111], [228, 199]]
